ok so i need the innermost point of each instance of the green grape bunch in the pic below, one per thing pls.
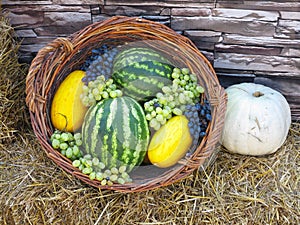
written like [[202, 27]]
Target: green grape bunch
[[97, 170], [99, 89], [173, 98], [69, 146], [67, 143]]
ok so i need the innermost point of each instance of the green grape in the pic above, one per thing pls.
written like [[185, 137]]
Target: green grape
[[105, 94], [153, 122], [81, 167], [124, 175], [57, 136], [55, 144], [175, 75], [151, 108], [114, 170], [85, 100], [99, 176], [159, 118], [85, 89], [148, 116], [98, 97], [185, 71], [91, 84], [95, 161], [166, 89], [76, 150], [121, 180], [159, 95], [186, 77], [147, 105], [101, 165], [103, 182], [77, 136], [172, 105], [109, 82], [177, 111], [69, 152], [63, 152], [89, 163], [113, 94], [122, 169], [78, 142], [76, 163], [71, 136], [119, 93], [92, 176], [110, 183], [83, 160], [165, 112], [182, 83], [158, 110], [87, 170], [107, 172], [200, 89], [63, 146], [95, 92], [114, 177]]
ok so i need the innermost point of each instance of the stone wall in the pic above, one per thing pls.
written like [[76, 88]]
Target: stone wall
[[245, 40]]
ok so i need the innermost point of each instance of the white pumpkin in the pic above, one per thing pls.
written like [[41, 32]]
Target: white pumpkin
[[257, 120]]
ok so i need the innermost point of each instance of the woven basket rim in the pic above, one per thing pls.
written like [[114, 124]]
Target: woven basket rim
[[50, 65]]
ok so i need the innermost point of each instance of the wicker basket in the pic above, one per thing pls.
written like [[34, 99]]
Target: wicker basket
[[56, 60]]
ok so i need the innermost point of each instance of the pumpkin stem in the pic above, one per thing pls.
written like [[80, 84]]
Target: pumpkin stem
[[258, 94]]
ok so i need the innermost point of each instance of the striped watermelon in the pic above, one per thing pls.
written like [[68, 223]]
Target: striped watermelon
[[116, 131], [141, 72]]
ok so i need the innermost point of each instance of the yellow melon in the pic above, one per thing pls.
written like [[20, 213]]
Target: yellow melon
[[67, 110], [170, 143]]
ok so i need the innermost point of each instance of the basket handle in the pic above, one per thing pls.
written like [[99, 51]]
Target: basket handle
[[63, 44]]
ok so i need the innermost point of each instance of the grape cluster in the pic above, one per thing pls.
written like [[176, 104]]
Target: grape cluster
[[199, 116], [69, 146], [67, 143], [98, 170], [173, 98], [99, 63], [99, 89]]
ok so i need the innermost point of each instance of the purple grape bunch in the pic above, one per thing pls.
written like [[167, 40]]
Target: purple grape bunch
[[199, 116], [99, 63]]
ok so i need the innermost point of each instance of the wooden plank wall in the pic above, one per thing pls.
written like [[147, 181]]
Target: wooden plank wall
[[245, 40]]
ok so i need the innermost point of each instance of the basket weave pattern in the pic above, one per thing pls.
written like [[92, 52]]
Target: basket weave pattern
[[63, 55]]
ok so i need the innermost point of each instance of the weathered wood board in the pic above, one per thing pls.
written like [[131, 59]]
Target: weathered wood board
[[255, 41]]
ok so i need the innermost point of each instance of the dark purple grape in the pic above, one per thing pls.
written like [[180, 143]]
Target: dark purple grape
[[202, 134], [208, 117], [156, 104]]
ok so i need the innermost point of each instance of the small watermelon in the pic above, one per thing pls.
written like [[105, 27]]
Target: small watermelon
[[116, 131], [141, 72]]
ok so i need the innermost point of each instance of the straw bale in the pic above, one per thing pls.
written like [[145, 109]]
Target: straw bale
[[12, 84], [233, 190]]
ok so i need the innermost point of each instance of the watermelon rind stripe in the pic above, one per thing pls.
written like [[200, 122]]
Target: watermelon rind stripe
[[127, 132]]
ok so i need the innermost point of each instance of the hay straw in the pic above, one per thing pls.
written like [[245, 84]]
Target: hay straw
[[12, 107], [234, 190]]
